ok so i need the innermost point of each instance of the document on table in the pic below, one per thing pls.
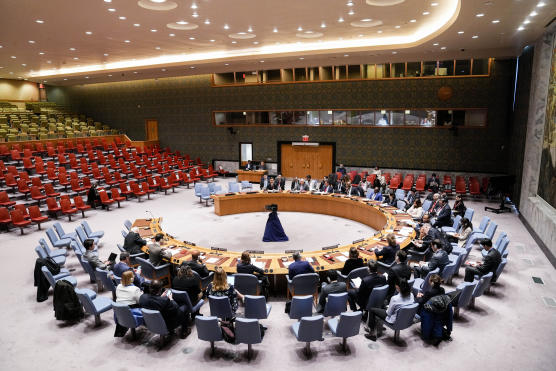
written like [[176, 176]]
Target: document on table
[[212, 260], [341, 258], [258, 264]]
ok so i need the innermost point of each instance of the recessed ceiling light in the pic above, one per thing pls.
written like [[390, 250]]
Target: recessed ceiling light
[[137, 24], [349, 3], [65, 79], [24, 64], [351, 12], [250, 29], [234, 42], [195, 15], [426, 13], [127, 41], [153, 30], [107, 1], [111, 9], [520, 28], [207, 21], [172, 35], [435, 44], [193, 6], [255, 42], [157, 47], [261, 61], [191, 38], [379, 31], [398, 26], [346, 55], [275, 30], [526, 21], [106, 54], [226, 64], [88, 33], [299, 28], [192, 67], [479, 15], [109, 75], [11, 73], [301, 58], [122, 18], [360, 35], [323, 25], [182, 22], [135, 72], [72, 49], [86, 77], [75, 58], [158, 1], [533, 13], [340, 19], [49, 62], [41, 53], [443, 48], [1, 46], [460, 32], [394, 52], [226, 27], [496, 21], [31, 41], [541, 4], [475, 37], [39, 21], [434, 4], [163, 70], [212, 40], [13, 57]]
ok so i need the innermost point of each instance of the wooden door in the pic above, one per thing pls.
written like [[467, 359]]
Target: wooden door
[[300, 161], [151, 129]]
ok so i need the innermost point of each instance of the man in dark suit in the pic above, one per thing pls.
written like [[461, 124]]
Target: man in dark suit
[[409, 199], [173, 315], [326, 188], [272, 185], [264, 182], [280, 182], [444, 215], [334, 287], [262, 166], [249, 166], [341, 169], [340, 187], [439, 260], [245, 266], [435, 204], [133, 241], [196, 265], [368, 283], [125, 265], [295, 184], [490, 262], [303, 186], [398, 271], [299, 266], [433, 183]]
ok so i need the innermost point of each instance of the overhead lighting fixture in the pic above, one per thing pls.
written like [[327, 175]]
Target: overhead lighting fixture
[[496, 21], [234, 42], [75, 58], [226, 27], [255, 42], [122, 18], [86, 77], [107, 1], [349, 3], [192, 67], [275, 30], [250, 29], [41, 53], [520, 28], [31, 41], [172, 35], [426, 13], [301, 58], [526, 21], [182, 22], [299, 28], [106, 54], [158, 1], [398, 26], [346, 55], [13, 57], [153, 30], [157, 47], [394, 52], [351, 12], [475, 37], [541, 4], [195, 15], [163, 70], [39, 21], [127, 41], [460, 32], [434, 4], [340, 19], [136, 24], [207, 21], [533, 13], [135, 72], [111, 9], [226, 64], [443, 48], [480, 15], [323, 25], [88, 33], [24, 64], [261, 61], [109, 75], [72, 49], [413, 21], [192, 38], [65, 79], [436, 44], [193, 6], [379, 31], [212, 40]]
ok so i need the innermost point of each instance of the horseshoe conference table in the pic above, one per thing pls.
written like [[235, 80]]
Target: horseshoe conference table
[[384, 219]]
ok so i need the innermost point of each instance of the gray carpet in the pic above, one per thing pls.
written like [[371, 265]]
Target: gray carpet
[[512, 328]]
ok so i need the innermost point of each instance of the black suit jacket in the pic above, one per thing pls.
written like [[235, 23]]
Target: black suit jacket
[[368, 283], [133, 243], [387, 254], [248, 268], [397, 271], [200, 268], [192, 285], [444, 217], [352, 264], [281, 184], [261, 183], [168, 308], [490, 262]]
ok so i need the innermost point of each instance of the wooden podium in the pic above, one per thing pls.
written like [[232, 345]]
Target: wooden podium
[[253, 176]]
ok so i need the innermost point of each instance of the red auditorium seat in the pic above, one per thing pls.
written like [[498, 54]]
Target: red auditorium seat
[[5, 200], [53, 208], [63, 181], [5, 218], [16, 156], [105, 200], [116, 196], [407, 183], [37, 195], [67, 208], [80, 205], [145, 188], [460, 188], [22, 187], [28, 164], [420, 184], [49, 190], [18, 220], [474, 187], [10, 181], [124, 190], [164, 184], [36, 216]]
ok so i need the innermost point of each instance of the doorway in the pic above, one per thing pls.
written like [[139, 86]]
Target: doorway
[[302, 160], [245, 153], [151, 129]]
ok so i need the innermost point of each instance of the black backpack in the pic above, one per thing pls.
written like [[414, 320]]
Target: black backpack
[[438, 303]]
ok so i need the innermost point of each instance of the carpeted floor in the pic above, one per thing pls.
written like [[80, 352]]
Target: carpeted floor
[[510, 329]]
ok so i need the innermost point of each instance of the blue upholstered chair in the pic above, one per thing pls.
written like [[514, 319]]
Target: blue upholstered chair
[[465, 296], [335, 304], [218, 190], [499, 270], [183, 299], [256, 307], [95, 306], [52, 279], [55, 240], [248, 331], [211, 187], [205, 280], [155, 323], [377, 297], [127, 224], [347, 326], [87, 268], [400, 195], [469, 212], [52, 253], [450, 270], [301, 306], [233, 187], [82, 236], [400, 204], [303, 284], [61, 233], [422, 285], [427, 205], [356, 273], [220, 307], [246, 284], [126, 318], [246, 185], [404, 319], [498, 243], [307, 330], [489, 233], [482, 286], [455, 225], [124, 233], [198, 188], [208, 330], [60, 260], [107, 283], [90, 233], [483, 226], [149, 271], [205, 195]]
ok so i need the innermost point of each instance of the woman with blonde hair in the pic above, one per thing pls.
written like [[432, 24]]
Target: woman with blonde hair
[[127, 292], [220, 287], [387, 254]]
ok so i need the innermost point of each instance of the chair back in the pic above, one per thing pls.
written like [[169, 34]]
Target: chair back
[[504, 246], [49, 277], [86, 227], [247, 331], [58, 227], [450, 269], [427, 205], [87, 267], [400, 204], [211, 187], [483, 284], [205, 192], [44, 245], [127, 224], [182, 298], [335, 304], [220, 306], [245, 184], [52, 236], [86, 302], [405, 316], [310, 329], [358, 273], [81, 234], [400, 195], [233, 187], [124, 233], [500, 268], [377, 297], [124, 316], [349, 324], [466, 293], [208, 328], [469, 212], [246, 284], [483, 225], [301, 306], [256, 307], [106, 281], [198, 187], [147, 269], [426, 284], [305, 284], [154, 321], [40, 252], [491, 229], [77, 247], [499, 240], [457, 221]]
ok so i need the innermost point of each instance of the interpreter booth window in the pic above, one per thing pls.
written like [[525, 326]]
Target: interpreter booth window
[[397, 118], [367, 117], [353, 117], [258, 117], [420, 118], [340, 117], [246, 152], [413, 69], [230, 118], [382, 118], [313, 118], [326, 117]]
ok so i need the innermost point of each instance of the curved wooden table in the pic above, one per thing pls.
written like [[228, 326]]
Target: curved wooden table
[[384, 219]]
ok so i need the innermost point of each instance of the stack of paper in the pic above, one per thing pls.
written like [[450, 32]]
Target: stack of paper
[[212, 260]]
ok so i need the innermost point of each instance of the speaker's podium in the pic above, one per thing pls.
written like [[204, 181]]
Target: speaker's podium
[[273, 231]]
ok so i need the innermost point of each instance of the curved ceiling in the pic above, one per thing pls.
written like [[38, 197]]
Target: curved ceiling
[[68, 41]]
